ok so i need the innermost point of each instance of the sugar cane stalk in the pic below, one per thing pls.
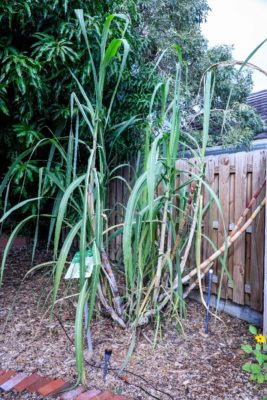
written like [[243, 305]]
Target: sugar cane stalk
[[206, 265], [113, 284], [246, 211], [231, 240], [161, 251], [108, 308], [183, 223], [233, 232]]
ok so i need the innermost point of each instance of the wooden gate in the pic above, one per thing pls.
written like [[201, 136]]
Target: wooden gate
[[234, 178]]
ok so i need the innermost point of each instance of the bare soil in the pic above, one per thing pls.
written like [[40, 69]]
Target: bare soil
[[191, 366]]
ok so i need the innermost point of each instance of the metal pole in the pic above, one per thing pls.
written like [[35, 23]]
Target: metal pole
[[107, 356]]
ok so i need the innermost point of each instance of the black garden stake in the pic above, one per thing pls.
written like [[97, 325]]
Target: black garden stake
[[107, 356]]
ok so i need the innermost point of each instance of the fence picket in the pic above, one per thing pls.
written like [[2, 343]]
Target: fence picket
[[257, 242], [239, 247]]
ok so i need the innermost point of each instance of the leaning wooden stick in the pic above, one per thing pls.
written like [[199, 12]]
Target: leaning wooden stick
[[206, 265], [233, 232], [231, 240], [195, 283], [246, 211]]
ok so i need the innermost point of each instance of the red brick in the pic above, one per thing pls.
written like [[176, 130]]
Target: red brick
[[38, 384], [2, 371], [72, 394], [51, 387], [8, 385], [6, 376], [27, 382], [89, 395]]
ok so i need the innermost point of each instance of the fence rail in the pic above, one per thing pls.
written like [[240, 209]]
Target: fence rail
[[234, 178]]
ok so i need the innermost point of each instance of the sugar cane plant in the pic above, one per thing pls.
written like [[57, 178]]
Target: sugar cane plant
[[156, 241], [80, 198], [162, 225]]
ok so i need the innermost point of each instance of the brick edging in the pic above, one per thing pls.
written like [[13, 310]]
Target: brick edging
[[18, 382]]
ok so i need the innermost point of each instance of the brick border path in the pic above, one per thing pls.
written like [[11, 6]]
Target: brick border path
[[48, 387]]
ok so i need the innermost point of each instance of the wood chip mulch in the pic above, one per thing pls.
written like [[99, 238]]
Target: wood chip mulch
[[193, 367]]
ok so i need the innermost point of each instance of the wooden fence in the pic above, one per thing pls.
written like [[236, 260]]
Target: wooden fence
[[235, 178]]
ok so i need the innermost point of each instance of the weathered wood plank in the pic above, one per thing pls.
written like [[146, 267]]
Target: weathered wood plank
[[248, 236], [231, 220], [232, 167], [239, 246], [265, 267], [224, 173], [257, 240], [209, 178], [214, 216]]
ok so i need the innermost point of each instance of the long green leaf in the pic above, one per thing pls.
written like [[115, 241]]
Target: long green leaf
[[63, 209]]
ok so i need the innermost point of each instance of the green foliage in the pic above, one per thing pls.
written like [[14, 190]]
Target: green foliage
[[79, 196], [257, 367], [252, 329], [159, 211], [27, 134], [228, 77], [47, 48], [233, 122], [41, 42]]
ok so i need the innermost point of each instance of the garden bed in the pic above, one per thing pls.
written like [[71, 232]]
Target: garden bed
[[190, 367]]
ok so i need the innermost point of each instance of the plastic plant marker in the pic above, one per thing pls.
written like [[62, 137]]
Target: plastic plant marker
[[208, 302], [15, 379], [73, 271]]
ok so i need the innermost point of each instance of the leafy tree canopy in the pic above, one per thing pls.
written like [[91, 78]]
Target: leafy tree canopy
[[41, 43]]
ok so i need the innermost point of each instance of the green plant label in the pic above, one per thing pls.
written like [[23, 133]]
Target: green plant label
[[73, 271]]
